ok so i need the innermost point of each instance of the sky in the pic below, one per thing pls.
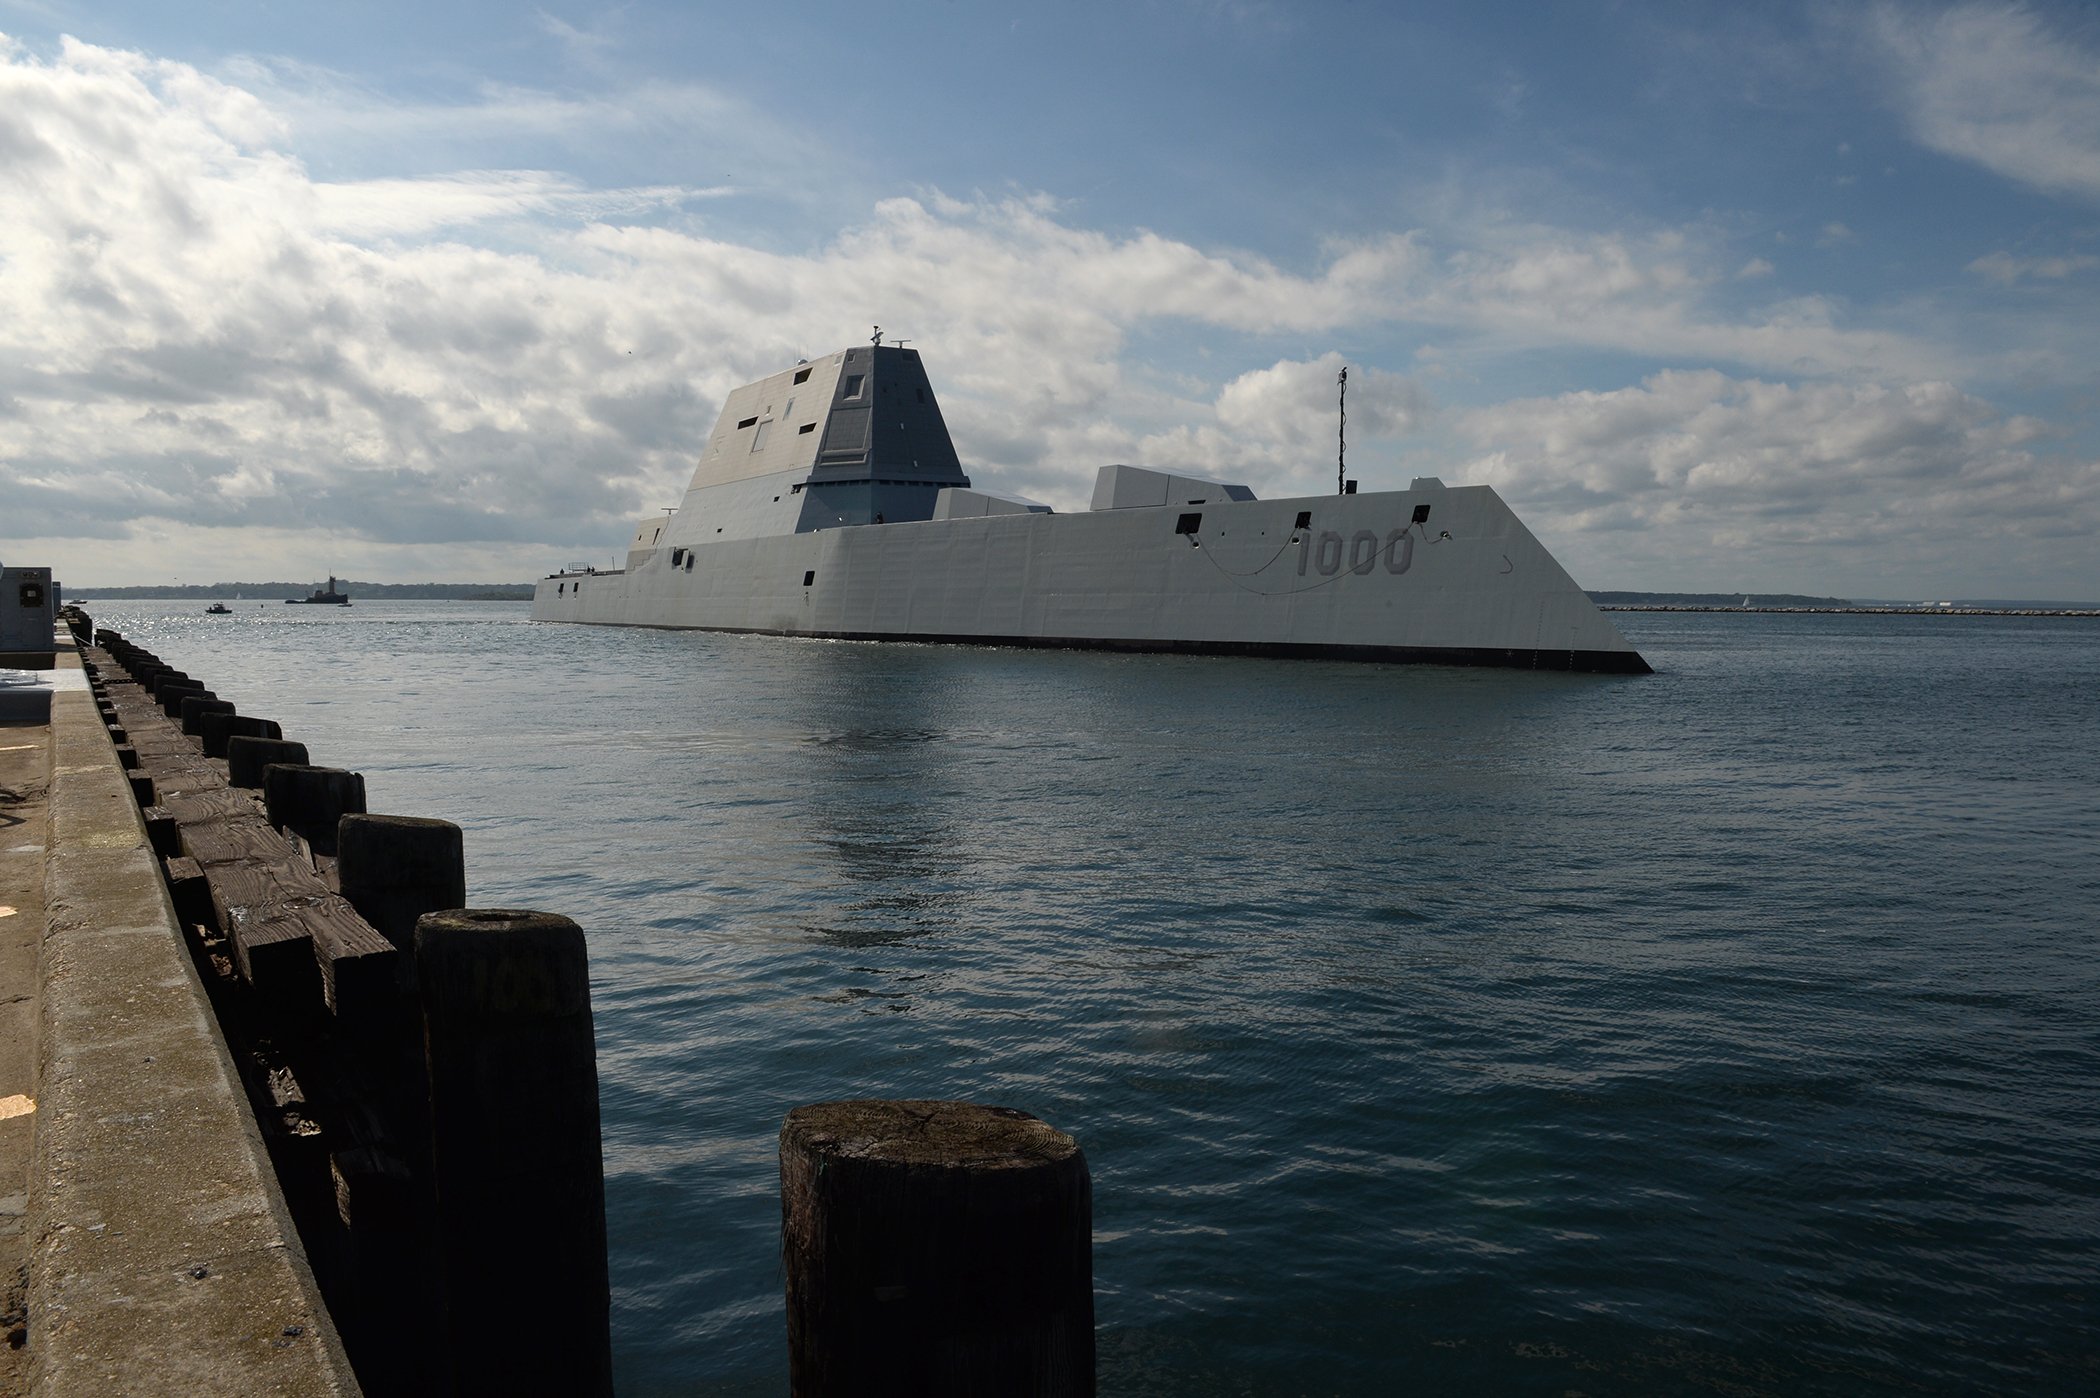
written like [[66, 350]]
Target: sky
[[1779, 298]]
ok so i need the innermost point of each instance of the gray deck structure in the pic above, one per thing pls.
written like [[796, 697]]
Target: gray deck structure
[[829, 502]]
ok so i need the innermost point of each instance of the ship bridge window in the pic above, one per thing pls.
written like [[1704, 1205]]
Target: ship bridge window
[[809, 577], [807, 427], [745, 423], [1421, 514], [802, 376], [1304, 520], [1188, 524], [853, 385]]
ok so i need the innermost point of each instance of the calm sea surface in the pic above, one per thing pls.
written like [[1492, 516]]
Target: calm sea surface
[[1734, 1029]]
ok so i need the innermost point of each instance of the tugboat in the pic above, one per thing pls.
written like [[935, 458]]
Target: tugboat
[[218, 609], [326, 596]]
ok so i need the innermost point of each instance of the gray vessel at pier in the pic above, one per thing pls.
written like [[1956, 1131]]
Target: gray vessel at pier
[[829, 502]]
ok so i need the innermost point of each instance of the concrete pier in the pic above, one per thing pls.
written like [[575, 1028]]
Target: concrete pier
[[25, 779], [134, 1187]]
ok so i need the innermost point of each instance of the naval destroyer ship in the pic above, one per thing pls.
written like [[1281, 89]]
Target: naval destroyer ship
[[829, 502]]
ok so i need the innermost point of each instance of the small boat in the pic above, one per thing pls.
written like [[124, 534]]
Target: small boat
[[218, 609], [323, 596]]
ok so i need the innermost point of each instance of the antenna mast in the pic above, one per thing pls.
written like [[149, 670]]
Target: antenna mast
[[1341, 451]]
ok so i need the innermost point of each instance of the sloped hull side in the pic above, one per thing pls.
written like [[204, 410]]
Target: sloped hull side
[[1364, 580]]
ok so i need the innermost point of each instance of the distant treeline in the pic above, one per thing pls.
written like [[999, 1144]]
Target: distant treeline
[[265, 591], [1714, 599]]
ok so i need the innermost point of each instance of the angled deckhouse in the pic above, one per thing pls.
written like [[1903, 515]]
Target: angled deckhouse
[[829, 502]]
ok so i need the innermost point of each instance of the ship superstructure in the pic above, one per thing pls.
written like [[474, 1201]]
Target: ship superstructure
[[829, 502]]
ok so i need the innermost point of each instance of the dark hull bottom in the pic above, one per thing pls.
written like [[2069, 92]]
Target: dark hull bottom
[[1596, 662]]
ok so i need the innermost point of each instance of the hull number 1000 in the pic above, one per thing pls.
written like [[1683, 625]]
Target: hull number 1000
[[1360, 552]]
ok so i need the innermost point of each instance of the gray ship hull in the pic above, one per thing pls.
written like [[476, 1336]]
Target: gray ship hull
[[1361, 580], [829, 502]]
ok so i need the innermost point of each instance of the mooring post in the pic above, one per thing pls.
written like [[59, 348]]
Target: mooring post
[[935, 1248], [169, 694], [519, 1181], [216, 730], [194, 709], [246, 757], [394, 869], [311, 801]]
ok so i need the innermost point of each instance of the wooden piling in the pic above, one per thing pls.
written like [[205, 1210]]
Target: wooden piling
[[194, 707], [935, 1248], [169, 693], [246, 757], [308, 801], [216, 730], [394, 869], [520, 1185]]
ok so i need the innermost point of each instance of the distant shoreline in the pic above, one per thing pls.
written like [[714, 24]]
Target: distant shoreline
[[1849, 611], [284, 591]]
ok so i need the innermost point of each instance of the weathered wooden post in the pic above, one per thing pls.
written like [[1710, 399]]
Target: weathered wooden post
[[215, 730], [194, 708], [935, 1248], [246, 757], [171, 697], [310, 801], [394, 869], [169, 693], [520, 1184]]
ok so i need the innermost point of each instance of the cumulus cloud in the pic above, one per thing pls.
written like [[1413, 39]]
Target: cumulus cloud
[[198, 334], [1697, 464], [1277, 429], [1999, 86]]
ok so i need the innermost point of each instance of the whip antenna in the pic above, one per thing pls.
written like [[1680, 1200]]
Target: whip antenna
[[1341, 450]]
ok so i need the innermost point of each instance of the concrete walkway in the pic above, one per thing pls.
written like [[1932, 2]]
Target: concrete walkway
[[25, 775]]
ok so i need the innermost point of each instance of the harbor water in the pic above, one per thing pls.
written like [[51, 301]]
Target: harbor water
[[1734, 1029]]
